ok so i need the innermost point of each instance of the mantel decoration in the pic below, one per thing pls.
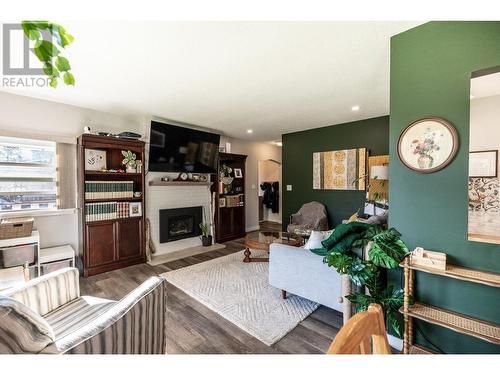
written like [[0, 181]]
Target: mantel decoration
[[428, 145]]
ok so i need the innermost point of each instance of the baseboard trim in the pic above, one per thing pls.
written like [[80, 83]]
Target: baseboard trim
[[179, 254], [395, 342]]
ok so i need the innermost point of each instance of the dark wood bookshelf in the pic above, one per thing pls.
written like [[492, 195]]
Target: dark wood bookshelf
[[112, 243], [230, 221]]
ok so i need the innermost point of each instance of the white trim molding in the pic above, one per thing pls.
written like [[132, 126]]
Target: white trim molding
[[39, 213]]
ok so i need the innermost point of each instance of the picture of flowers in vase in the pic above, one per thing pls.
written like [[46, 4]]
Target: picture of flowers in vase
[[428, 145], [425, 147]]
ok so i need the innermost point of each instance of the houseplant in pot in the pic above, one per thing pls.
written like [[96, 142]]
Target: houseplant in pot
[[386, 251], [206, 238], [129, 161]]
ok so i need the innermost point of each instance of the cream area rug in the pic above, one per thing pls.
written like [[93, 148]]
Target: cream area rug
[[240, 292]]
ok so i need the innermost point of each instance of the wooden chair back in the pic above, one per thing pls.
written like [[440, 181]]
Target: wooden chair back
[[355, 335]]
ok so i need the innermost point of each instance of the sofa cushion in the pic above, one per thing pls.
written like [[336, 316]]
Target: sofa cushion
[[22, 330], [76, 314], [314, 241], [48, 292]]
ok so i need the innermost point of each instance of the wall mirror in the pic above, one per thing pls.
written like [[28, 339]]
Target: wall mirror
[[484, 146]]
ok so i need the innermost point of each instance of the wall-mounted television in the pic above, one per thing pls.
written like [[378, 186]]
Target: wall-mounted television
[[174, 148]]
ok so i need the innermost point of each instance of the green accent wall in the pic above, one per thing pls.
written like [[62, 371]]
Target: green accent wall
[[297, 154], [431, 67]]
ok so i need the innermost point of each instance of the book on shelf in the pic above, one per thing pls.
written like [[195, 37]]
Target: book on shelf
[[109, 189], [122, 210], [106, 211]]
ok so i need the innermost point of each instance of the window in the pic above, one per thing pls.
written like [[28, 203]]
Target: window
[[27, 174]]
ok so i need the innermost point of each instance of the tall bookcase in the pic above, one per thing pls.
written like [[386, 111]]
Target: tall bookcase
[[110, 240], [230, 215]]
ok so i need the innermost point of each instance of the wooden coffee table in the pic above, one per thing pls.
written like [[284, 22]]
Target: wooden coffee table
[[262, 241]]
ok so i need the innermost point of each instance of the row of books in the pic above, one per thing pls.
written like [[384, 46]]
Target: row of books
[[109, 189], [107, 211]]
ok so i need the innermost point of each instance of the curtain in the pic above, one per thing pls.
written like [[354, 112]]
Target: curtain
[[66, 175]]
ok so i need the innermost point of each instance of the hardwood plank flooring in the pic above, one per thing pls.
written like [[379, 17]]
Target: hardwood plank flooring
[[194, 328]]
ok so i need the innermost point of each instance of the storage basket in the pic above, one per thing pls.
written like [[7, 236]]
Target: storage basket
[[16, 227], [54, 266], [17, 255]]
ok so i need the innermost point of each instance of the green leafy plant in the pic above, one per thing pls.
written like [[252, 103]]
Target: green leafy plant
[[129, 159], [204, 230], [55, 65], [387, 250]]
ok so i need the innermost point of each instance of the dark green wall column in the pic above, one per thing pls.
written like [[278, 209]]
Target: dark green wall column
[[430, 76]]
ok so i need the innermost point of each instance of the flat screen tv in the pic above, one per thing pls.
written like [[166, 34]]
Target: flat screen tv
[[174, 148]]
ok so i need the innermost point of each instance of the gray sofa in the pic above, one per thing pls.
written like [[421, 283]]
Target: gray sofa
[[298, 271], [48, 315]]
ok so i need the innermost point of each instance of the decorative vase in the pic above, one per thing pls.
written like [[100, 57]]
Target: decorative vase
[[130, 170], [425, 161], [206, 241]]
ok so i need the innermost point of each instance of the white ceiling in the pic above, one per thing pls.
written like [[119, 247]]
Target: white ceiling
[[483, 86], [272, 77]]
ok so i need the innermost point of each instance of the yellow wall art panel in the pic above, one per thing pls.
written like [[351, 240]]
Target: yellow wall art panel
[[340, 169]]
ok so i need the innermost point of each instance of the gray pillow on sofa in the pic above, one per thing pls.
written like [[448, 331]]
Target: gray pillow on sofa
[[21, 329]]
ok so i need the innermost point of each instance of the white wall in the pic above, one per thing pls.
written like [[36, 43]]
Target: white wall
[[30, 117], [256, 151], [24, 116], [485, 124]]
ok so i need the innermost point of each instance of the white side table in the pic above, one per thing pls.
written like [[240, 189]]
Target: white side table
[[57, 253]]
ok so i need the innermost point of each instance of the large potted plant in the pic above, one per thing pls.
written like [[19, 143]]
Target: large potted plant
[[386, 250]]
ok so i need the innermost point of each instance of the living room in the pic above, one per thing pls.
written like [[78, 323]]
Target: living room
[[228, 188]]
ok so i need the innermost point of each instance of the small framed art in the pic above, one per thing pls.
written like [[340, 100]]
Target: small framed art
[[222, 202], [135, 209], [95, 160], [238, 173], [483, 163]]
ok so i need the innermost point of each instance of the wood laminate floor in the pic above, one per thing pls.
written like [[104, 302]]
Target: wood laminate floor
[[194, 328]]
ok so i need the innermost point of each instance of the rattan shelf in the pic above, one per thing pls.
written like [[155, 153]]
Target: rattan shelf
[[417, 349], [457, 322], [461, 273], [480, 329]]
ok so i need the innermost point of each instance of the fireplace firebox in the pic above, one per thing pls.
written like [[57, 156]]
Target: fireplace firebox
[[179, 223]]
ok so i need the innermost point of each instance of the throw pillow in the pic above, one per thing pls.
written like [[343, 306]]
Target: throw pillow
[[314, 240], [343, 236], [21, 329]]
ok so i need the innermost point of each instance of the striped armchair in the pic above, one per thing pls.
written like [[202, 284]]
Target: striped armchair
[[48, 315]]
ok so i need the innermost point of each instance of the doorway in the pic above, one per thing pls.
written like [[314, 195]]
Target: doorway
[[269, 178]]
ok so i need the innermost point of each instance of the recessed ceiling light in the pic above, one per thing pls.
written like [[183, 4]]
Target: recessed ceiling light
[[249, 131], [355, 108]]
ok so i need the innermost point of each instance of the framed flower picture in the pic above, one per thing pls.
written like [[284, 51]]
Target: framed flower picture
[[428, 145]]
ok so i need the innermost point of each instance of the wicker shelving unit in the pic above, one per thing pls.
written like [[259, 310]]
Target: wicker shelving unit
[[483, 330]]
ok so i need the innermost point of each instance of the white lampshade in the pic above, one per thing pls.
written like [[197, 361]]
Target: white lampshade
[[379, 172]]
